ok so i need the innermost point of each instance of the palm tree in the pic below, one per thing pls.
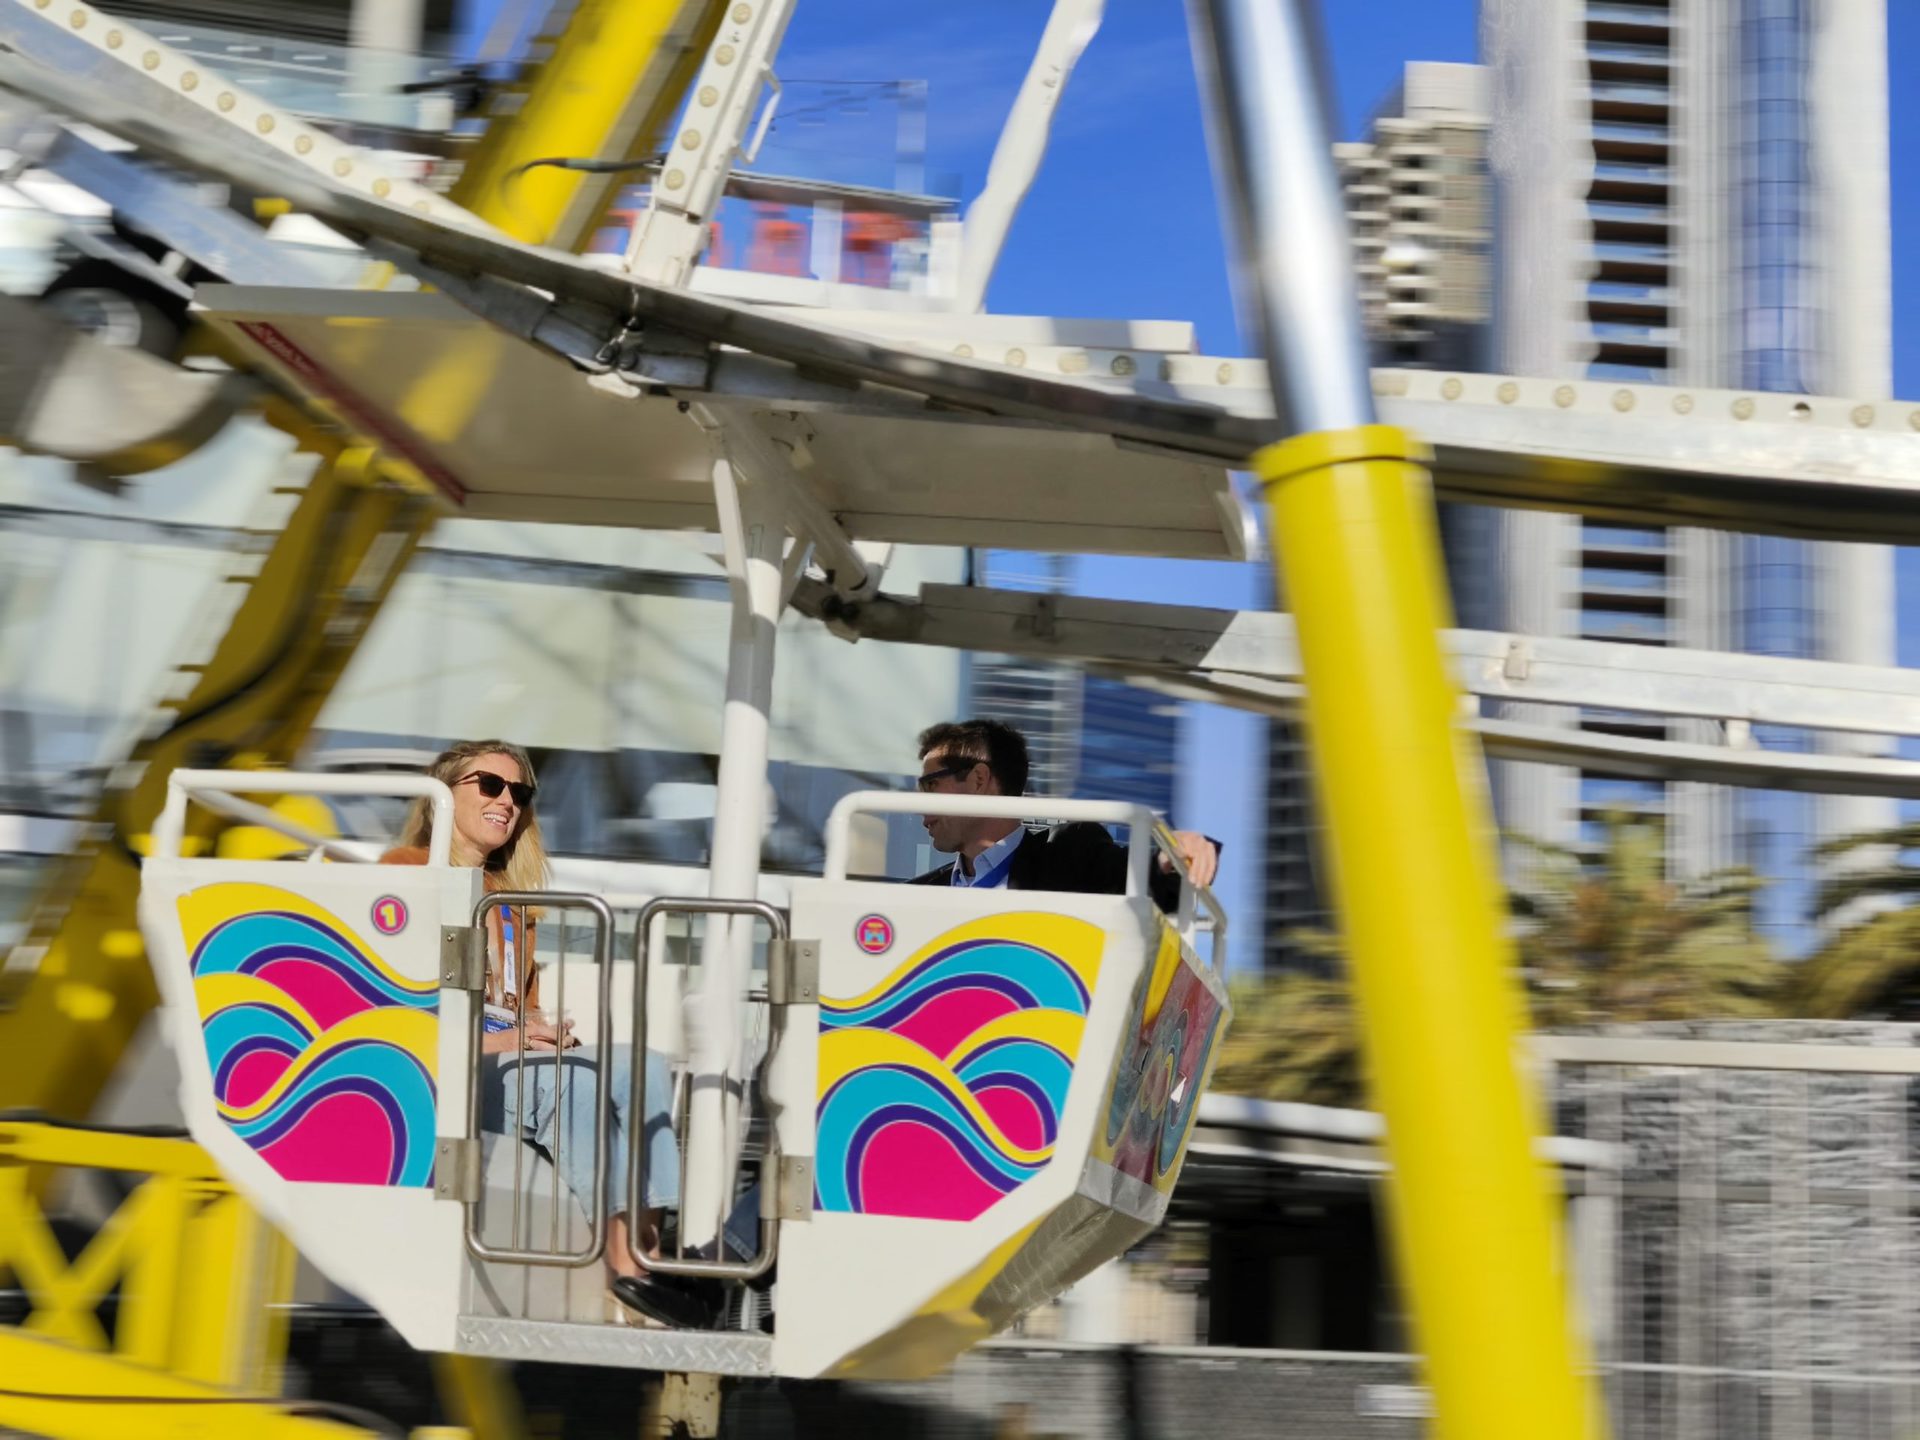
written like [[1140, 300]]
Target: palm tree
[[1293, 1035], [1613, 938], [1871, 968], [1601, 938]]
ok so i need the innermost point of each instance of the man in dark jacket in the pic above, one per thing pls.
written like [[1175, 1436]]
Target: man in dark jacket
[[987, 757]]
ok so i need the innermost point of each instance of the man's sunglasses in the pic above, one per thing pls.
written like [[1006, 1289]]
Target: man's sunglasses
[[491, 785], [958, 768]]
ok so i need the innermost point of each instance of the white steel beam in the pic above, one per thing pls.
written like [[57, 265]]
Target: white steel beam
[[693, 176], [1814, 466], [1255, 644], [781, 467], [100, 67], [1249, 659], [1602, 753], [1023, 144], [1818, 466]]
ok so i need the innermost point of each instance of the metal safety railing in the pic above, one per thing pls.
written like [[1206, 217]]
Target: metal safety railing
[[565, 1072], [1146, 834], [221, 791], [718, 1268]]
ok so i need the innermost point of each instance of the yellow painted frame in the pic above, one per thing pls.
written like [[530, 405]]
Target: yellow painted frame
[[1475, 1213]]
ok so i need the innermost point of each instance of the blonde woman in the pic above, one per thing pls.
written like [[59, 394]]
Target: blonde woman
[[495, 830]]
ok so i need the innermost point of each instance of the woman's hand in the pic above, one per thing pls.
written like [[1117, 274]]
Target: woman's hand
[[543, 1034], [541, 1039]]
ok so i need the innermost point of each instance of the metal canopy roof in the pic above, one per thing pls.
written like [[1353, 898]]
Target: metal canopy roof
[[507, 430], [1835, 469]]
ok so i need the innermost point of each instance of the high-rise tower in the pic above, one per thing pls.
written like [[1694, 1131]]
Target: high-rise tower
[[1692, 193]]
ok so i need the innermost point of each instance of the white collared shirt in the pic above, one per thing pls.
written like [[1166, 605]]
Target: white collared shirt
[[991, 865]]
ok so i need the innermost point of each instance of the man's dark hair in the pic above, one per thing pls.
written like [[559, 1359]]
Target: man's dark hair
[[994, 741]]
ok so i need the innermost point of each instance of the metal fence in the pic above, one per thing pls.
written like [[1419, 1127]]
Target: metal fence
[[1757, 1281], [1007, 1390]]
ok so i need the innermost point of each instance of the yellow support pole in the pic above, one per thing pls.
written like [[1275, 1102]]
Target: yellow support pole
[[615, 76], [1474, 1210], [480, 1396], [228, 1328], [52, 1389]]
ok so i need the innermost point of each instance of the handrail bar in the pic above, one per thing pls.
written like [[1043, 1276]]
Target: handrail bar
[[230, 785], [1191, 891], [1145, 832], [603, 1082], [1138, 819], [718, 1269]]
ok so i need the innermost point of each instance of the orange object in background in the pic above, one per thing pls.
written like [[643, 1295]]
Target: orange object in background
[[779, 242], [870, 238]]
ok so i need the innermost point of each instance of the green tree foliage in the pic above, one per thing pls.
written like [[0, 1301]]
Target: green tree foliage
[[1869, 969], [1293, 1036], [1614, 939], [1601, 938]]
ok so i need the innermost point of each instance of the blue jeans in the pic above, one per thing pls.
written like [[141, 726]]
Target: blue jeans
[[559, 1118], [565, 1114]]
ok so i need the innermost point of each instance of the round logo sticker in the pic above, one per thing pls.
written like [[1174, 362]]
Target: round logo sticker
[[874, 934], [389, 914]]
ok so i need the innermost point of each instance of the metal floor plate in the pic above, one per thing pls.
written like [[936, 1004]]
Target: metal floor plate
[[723, 1352]]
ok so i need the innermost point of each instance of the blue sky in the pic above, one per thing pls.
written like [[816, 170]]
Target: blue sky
[[1123, 222]]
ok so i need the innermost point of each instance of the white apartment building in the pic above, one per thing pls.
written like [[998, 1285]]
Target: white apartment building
[[1691, 193]]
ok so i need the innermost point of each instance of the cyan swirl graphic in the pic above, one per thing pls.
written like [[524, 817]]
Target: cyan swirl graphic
[[322, 1054], [942, 1088]]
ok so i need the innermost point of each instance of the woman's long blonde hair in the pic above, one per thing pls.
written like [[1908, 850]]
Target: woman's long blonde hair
[[522, 862]]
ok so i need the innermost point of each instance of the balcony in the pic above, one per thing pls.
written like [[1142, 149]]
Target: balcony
[[1621, 59], [1621, 183], [1613, 22], [1617, 262], [1623, 628], [1621, 600], [1630, 224], [1631, 360], [1631, 142], [1625, 310], [1622, 102]]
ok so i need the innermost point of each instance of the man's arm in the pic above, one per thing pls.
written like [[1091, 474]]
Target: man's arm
[[1084, 857]]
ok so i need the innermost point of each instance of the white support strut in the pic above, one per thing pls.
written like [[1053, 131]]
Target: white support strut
[[693, 176], [753, 535], [766, 466], [1023, 144]]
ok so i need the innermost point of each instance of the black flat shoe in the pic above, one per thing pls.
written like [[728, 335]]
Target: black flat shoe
[[671, 1299]]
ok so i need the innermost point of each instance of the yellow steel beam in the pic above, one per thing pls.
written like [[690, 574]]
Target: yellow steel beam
[[480, 1396], [51, 1389], [195, 1268], [70, 1009], [229, 1325], [613, 79], [1475, 1212], [80, 985]]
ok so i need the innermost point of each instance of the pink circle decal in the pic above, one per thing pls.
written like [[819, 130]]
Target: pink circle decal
[[874, 934], [389, 914]]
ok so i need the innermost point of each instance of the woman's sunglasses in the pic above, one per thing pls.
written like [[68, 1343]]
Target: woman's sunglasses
[[491, 785]]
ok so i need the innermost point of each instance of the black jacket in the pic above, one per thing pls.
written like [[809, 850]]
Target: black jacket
[[1081, 857]]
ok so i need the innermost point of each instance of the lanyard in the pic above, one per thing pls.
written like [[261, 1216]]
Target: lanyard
[[998, 874], [509, 958]]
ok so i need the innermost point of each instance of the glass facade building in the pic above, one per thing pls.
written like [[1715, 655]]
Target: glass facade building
[[1692, 193]]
